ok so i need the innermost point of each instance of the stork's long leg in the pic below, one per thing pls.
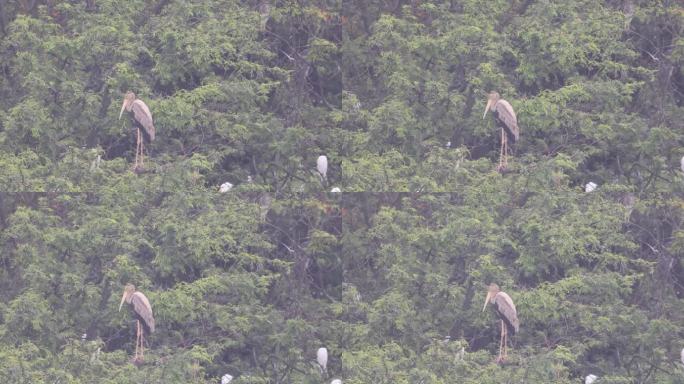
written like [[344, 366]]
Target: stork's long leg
[[137, 155], [505, 341], [142, 343], [505, 150], [498, 359], [142, 152], [137, 338], [501, 151]]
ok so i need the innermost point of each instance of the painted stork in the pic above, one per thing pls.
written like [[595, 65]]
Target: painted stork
[[505, 117], [509, 316], [143, 314], [142, 120]]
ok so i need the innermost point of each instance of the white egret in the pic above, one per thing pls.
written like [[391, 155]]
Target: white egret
[[590, 187], [225, 187], [322, 358], [226, 379], [322, 166], [590, 379], [265, 12], [336, 381], [96, 163], [335, 190]]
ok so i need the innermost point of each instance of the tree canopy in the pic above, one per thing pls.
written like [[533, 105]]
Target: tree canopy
[[390, 274]]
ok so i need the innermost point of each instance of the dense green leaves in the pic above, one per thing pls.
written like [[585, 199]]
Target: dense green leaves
[[390, 274]]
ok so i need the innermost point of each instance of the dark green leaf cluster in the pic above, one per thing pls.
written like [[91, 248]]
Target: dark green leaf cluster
[[389, 275]]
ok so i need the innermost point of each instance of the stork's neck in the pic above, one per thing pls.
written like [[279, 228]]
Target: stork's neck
[[493, 106]]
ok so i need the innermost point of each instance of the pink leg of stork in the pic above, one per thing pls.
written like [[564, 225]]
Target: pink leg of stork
[[137, 337], [505, 151], [501, 151], [142, 343], [137, 148], [505, 341], [501, 340]]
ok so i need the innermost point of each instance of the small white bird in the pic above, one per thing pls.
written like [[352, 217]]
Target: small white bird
[[590, 379], [225, 187], [461, 354], [682, 163], [96, 163], [322, 165], [265, 12], [590, 187], [226, 379], [322, 358], [682, 355], [336, 381], [335, 190], [448, 144], [84, 336]]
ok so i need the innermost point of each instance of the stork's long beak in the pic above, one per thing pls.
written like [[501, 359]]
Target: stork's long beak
[[489, 103], [123, 298], [489, 295], [123, 106]]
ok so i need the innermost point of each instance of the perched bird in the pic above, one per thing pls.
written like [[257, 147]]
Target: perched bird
[[336, 381], [142, 120], [505, 117], [335, 189], [322, 358], [265, 13], [461, 354], [590, 379], [322, 166], [226, 379], [505, 309], [590, 187], [225, 187], [143, 314], [95, 164]]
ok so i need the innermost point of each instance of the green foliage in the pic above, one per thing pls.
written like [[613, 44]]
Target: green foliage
[[253, 281]]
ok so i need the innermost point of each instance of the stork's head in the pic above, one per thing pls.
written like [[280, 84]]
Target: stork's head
[[127, 294], [491, 102], [127, 102], [491, 293]]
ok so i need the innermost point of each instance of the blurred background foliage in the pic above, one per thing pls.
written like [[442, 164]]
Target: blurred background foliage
[[252, 282]]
